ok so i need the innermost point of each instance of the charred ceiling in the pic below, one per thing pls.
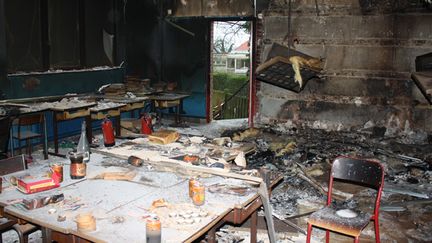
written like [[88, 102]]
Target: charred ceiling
[[213, 8]]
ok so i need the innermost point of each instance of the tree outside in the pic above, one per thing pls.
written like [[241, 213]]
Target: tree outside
[[230, 69]]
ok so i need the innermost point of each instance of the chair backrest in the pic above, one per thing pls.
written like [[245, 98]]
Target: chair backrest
[[5, 124], [30, 119], [12, 164], [365, 172]]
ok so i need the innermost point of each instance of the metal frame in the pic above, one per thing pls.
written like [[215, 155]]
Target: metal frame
[[375, 215]]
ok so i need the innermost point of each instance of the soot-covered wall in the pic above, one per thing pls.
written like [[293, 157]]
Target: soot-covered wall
[[162, 52], [369, 49]]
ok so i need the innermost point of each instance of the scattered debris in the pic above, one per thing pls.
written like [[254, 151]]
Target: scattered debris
[[117, 219], [248, 133], [229, 189], [61, 218], [240, 160]]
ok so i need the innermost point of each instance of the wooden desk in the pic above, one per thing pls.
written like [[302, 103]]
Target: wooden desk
[[69, 113], [131, 201], [100, 112], [131, 104], [168, 100]]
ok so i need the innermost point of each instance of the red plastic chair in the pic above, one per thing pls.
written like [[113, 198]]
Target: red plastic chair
[[368, 173]]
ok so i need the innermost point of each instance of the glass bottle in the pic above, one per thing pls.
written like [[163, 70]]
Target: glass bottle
[[83, 144]]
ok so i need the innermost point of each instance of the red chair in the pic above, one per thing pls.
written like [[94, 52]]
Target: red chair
[[368, 173]]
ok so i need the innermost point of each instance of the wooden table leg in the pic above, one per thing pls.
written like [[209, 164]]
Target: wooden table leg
[[89, 129], [177, 116], [117, 125], [45, 137], [211, 235], [11, 141], [46, 235], [253, 227], [56, 147]]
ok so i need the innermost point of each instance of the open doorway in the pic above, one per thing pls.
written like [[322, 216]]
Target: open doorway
[[230, 55]]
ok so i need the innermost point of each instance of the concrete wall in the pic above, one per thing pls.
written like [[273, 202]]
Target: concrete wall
[[369, 49]]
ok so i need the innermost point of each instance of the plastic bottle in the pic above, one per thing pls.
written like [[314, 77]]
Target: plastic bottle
[[83, 144]]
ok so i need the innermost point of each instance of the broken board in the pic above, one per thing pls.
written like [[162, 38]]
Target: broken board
[[164, 136]]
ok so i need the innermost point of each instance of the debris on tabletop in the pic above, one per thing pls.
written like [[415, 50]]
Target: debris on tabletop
[[158, 204], [41, 201], [229, 189]]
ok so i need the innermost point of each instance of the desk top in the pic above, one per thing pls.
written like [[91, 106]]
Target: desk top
[[126, 100], [105, 106], [168, 96], [121, 207]]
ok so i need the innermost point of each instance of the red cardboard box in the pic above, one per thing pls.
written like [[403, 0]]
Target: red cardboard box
[[34, 185]]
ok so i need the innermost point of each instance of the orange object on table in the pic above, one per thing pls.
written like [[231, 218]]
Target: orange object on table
[[198, 194]]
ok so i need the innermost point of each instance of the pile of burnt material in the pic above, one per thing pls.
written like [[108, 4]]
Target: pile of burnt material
[[305, 156]]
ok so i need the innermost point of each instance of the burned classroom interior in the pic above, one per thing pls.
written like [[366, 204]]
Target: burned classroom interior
[[215, 121]]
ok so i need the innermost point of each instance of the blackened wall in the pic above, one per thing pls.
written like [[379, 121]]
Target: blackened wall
[[160, 51], [369, 49], [3, 62]]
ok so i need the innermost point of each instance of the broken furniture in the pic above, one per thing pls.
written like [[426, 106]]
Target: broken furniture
[[368, 173], [7, 166], [287, 68], [279, 71], [25, 124], [423, 80], [164, 136], [167, 101], [67, 113], [131, 200]]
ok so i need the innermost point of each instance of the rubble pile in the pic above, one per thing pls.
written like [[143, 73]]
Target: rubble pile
[[304, 157]]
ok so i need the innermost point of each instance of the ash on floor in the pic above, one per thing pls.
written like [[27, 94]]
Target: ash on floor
[[406, 204]]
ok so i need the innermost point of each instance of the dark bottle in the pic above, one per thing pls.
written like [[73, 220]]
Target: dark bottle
[[77, 167]]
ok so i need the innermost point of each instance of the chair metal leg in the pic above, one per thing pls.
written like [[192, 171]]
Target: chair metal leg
[[309, 232], [327, 236], [23, 238], [377, 233]]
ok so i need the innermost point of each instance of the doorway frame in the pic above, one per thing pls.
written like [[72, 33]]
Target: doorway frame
[[252, 67]]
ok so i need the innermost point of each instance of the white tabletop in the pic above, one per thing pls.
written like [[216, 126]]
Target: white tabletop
[[130, 201]]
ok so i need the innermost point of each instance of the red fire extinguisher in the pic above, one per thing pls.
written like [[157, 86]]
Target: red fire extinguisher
[[108, 133], [146, 124]]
